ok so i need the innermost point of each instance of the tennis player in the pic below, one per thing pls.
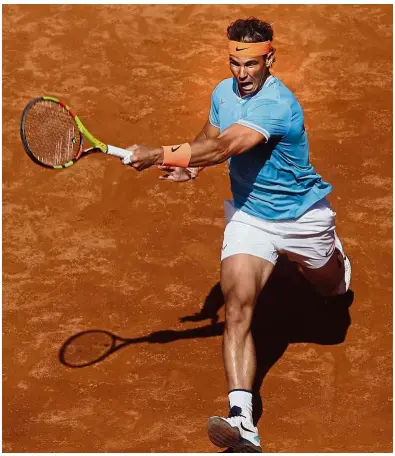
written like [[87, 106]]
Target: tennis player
[[279, 206]]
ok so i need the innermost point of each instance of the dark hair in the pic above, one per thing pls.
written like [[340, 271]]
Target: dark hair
[[250, 30]]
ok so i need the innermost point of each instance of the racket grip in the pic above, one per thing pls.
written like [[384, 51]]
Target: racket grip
[[121, 153]]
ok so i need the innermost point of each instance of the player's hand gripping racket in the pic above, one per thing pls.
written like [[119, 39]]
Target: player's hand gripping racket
[[53, 136]]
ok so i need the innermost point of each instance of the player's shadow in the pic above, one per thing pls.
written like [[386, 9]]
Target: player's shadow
[[287, 311]]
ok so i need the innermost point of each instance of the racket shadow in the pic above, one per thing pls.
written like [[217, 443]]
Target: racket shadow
[[93, 346], [283, 315]]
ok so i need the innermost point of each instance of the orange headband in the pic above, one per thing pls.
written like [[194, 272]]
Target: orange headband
[[251, 49]]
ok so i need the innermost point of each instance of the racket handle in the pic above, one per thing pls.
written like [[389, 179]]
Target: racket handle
[[121, 153]]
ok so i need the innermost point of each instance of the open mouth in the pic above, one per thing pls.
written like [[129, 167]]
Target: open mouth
[[246, 85]]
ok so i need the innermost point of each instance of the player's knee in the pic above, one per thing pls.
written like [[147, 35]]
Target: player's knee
[[327, 279], [239, 308]]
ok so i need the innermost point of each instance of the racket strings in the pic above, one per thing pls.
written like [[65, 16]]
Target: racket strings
[[51, 133]]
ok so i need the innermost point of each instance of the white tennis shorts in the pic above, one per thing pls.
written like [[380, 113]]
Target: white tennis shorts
[[309, 240]]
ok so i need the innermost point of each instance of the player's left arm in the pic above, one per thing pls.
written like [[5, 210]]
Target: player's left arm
[[261, 120], [235, 140]]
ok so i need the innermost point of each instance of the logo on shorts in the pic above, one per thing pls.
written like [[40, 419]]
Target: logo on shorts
[[173, 149], [224, 247], [222, 101], [240, 49]]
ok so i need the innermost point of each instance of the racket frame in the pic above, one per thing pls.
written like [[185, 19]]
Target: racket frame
[[84, 133]]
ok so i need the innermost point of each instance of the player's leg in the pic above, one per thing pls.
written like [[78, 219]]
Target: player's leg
[[248, 258], [242, 278], [317, 249], [333, 277]]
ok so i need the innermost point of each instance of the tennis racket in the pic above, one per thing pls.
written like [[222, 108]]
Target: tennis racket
[[53, 136]]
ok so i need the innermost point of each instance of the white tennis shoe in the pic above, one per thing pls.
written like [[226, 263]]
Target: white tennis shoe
[[347, 272], [236, 432], [345, 283]]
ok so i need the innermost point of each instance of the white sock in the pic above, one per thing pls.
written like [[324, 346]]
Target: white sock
[[242, 399]]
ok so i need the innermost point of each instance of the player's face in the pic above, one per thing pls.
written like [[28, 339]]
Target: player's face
[[249, 72]]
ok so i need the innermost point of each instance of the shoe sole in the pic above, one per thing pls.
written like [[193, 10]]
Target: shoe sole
[[223, 435]]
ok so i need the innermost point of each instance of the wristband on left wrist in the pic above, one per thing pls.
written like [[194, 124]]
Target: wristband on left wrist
[[177, 155]]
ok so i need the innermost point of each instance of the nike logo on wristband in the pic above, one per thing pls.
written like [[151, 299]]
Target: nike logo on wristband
[[173, 149], [241, 49], [245, 429]]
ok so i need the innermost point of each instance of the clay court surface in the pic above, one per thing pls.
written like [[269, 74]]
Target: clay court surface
[[99, 246]]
